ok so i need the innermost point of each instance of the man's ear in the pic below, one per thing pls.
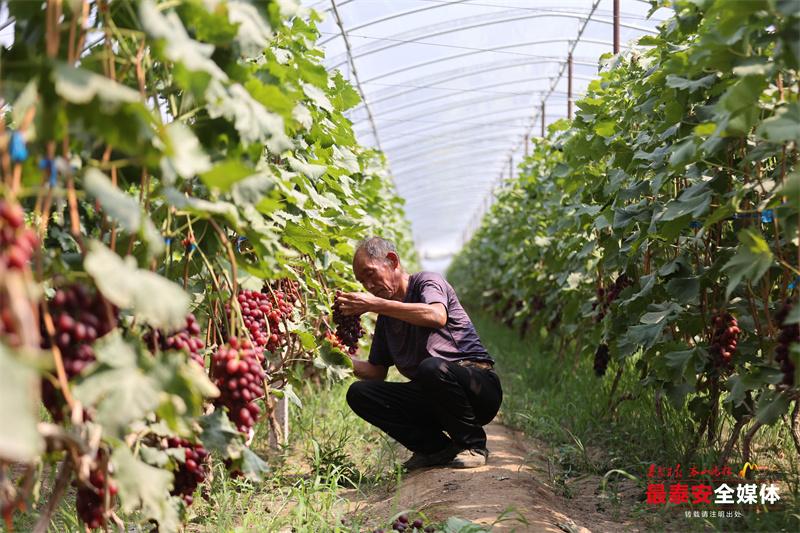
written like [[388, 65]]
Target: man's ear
[[393, 259]]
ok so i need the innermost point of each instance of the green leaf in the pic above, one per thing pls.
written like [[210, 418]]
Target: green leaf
[[19, 409], [185, 155], [252, 466], [694, 205], [783, 126], [606, 128], [178, 46], [123, 208], [743, 94], [772, 405], [334, 356], [154, 300], [121, 392], [147, 487], [80, 86], [684, 290], [751, 261], [224, 175], [692, 85], [220, 435]]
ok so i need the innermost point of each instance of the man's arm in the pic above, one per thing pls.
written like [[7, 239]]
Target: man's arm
[[366, 370], [426, 315]]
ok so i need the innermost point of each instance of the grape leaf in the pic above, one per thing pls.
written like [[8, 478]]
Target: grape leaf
[[19, 409], [143, 486]]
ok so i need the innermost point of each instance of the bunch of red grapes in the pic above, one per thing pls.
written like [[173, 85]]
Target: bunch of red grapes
[[263, 314], [187, 339], [605, 297], [192, 471], [287, 289], [91, 499], [724, 338], [17, 242], [601, 358], [237, 372], [403, 523], [790, 333], [80, 316], [348, 327]]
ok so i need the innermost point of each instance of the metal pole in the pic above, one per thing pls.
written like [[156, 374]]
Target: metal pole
[[511, 167], [616, 26], [569, 86], [526, 145], [542, 113]]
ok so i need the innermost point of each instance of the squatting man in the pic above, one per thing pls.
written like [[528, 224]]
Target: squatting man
[[423, 330]]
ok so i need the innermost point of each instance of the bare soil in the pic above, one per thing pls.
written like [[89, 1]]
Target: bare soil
[[515, 486]]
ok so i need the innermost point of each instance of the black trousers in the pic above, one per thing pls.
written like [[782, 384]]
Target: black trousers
[[443, 397]]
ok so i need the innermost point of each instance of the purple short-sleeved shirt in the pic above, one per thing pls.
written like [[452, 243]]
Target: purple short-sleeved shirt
[[402, 344]]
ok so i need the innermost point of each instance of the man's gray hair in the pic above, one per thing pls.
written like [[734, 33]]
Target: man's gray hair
[[376, 247]]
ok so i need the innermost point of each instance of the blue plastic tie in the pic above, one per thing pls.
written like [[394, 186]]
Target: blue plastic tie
[[767, 216], [167, 240], [793, 284], [17, 147], [191, 247], [239, 241], [695, 224], [50, 165]]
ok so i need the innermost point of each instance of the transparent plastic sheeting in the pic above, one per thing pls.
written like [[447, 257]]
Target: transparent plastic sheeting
[[454, 86]]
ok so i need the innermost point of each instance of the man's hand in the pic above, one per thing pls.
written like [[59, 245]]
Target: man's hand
[[358, 303]]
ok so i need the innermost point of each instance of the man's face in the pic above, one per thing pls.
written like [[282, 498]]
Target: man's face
[[378, 276]]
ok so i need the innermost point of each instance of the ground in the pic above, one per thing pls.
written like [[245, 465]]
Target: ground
[[511, 493]]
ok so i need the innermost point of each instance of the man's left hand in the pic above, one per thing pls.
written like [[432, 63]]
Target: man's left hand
[[358, 303]]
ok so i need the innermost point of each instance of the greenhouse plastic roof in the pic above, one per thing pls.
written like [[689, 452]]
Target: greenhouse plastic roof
[[452, 89]]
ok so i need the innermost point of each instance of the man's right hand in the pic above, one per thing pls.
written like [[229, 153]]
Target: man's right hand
[[366, 370]]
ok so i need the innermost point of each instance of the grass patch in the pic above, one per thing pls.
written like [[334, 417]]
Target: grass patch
[[558, 399]]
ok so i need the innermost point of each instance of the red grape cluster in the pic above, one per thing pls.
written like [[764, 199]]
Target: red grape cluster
[[601, 358], [237, 372], [724, 338], [287, 289], [605, 297], [80, 316], [91, 499], [17, 242], [186, 339], [192, 471], [348, 327], [403, 523], [790, 333], [335, 341], [263, 314]]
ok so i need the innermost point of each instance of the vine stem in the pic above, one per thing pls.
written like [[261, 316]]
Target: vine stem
[[795, 427], [231, 257], [737, 429], [748, 438], [64, 474], [59, 361]]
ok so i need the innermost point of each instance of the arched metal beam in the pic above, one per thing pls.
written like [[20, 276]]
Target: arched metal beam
[[394, 16], [483, 156], [506, 124], [448, 168], [494, 113], [432, 162], [441, 136], [536, 95], [480, 21], [463, 72], [478, 89], [451, 144], [493, 49]]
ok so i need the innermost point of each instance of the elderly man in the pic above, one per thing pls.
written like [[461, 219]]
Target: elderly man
[[422, 330]]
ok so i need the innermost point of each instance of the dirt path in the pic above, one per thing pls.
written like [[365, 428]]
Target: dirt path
[[513, 482]]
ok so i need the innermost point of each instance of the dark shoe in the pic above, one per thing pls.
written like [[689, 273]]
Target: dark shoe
[[425, 460], [470, 458]]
